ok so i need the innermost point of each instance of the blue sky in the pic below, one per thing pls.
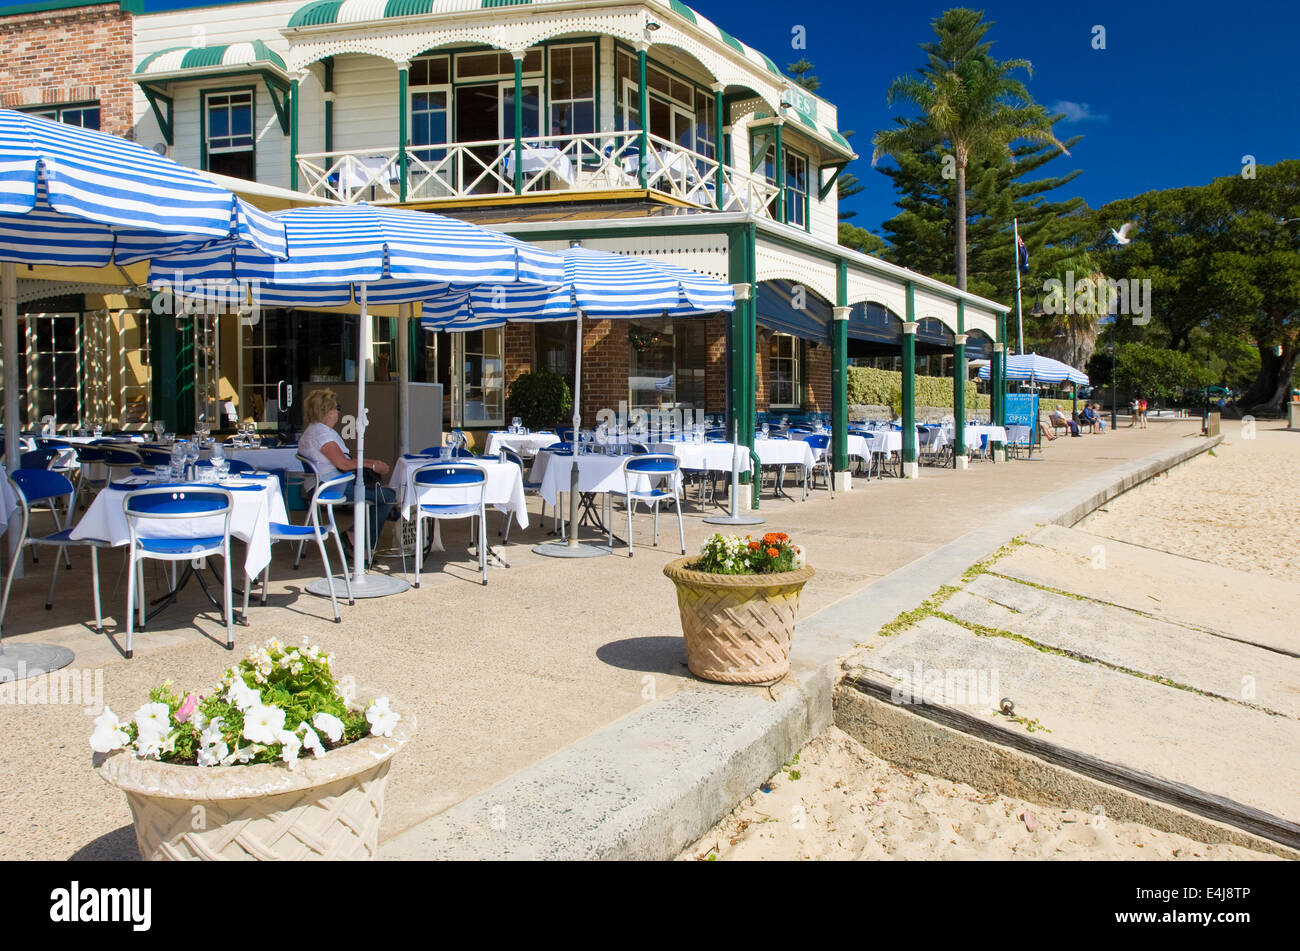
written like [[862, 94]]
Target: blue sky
[[1181, 92]]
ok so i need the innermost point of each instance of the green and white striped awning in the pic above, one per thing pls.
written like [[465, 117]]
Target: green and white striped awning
[[818, 130], [185, 61], [336, 12]]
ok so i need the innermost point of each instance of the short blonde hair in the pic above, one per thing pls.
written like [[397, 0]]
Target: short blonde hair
[[318, 405]]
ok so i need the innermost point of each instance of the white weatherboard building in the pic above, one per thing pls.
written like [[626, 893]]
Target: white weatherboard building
[[635, 127]]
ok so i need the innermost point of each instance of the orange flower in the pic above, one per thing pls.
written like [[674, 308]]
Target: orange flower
[[754, 546], [773, 552]]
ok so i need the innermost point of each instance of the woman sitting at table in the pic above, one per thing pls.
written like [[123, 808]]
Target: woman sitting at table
[[325, 450]]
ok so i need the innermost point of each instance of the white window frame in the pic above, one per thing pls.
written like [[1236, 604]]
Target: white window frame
[[795, 368]]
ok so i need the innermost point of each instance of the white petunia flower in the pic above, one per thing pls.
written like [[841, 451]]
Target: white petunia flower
[[310, 741], [154, 720], [108, 734], [289, 747], [263, 723], [382, 719], [330, 725], [242, 695], [213, 755]]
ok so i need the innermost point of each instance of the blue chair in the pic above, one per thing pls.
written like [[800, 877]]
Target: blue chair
[[819, 443], [120, 462], [34, 486], [657, 466], [147, 511], [448, 484], [153, 456], [39, 458], [325, 497], [564, 433]]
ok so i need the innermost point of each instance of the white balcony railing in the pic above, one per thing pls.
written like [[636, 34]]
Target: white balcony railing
[[602, 161]]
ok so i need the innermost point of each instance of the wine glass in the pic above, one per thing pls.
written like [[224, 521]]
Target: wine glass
[[766, 429], [158, 427], [516, 425]]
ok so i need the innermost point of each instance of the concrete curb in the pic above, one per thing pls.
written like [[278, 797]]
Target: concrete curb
[[652, 782]]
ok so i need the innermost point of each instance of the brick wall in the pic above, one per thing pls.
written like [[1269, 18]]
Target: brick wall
[[715, 365], [518, 352], [606, 357], [817, 378], [70, 56]]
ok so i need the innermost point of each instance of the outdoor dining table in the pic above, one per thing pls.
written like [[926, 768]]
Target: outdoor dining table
[[546, 159], [703, 457], [265, 458], [257, 503], [526, 444], [504, 490], [596, 473], [785, 452]]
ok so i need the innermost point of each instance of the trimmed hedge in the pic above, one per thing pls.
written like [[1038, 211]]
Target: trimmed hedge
[[869, 386]]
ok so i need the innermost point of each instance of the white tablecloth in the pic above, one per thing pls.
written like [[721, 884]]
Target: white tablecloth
[[595, 474], [525, 445], [708, 456], [973, 434], [884, 440], [278, 457], [544, 159], [504, 490], [784, 452], [250, 520]]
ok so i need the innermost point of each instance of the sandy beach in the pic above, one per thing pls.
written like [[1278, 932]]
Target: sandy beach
[[841, 801]]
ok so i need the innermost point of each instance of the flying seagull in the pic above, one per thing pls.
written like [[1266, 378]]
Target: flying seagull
[[1125, 233]]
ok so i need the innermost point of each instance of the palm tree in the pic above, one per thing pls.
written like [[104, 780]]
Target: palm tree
[[970, 104], [1075, 321]]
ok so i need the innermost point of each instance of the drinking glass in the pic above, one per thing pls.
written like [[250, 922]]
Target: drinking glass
[[516, 425], [158, 427], [766, 430], [191, 454]]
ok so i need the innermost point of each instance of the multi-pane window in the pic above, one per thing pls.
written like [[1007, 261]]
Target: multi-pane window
[[796, 189], [480, 396], [680, 111], [430, 91], [86, 115], [229, 142], [554, 348], [53, 377], [783, 372], [667, 364], [573, 89]]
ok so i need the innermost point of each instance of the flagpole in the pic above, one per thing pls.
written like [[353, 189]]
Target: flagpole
[[1015, 250]]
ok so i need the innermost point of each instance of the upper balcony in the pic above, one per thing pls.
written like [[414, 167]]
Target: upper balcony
[[452, 102]]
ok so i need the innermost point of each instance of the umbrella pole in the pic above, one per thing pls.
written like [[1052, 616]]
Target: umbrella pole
[[364, 584], [572, 548], [20, 661]]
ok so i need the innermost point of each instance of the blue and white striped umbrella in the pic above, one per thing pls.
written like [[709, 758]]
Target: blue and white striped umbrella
[[360, 253], [81, 198], [1039, 369], [399, 256], [597, 283]]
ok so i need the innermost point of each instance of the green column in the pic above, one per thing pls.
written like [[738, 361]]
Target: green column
[[328, 88], [171, 356], [959, 389], [294, 97], [995, 386], [840, 370], [519, 123], [403, 123], [642, 107], [780, 174], [719, 175], [909, 385]]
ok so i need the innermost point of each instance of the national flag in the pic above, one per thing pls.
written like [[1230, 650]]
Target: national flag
[[1022, 254]]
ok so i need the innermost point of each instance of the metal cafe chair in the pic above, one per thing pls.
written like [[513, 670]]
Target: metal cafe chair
[[324, 498], [441, 489], [667, 469], [34, 486], [151, 510]]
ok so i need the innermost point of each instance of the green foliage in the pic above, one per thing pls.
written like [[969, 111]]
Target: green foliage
[[1153, 373], [860, 239], [734, 555], [869, 386], [541, 399], [801, 72], [971, 110]]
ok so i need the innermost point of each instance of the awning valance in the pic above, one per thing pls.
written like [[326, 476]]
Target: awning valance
[[788, 308], [184, 62]]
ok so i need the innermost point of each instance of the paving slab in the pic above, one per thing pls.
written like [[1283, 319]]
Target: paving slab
[[1219, 747], [1206, 662], [1252, 608]]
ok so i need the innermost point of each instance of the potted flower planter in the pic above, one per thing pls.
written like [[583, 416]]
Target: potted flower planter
[[738, 627], [326, 808]]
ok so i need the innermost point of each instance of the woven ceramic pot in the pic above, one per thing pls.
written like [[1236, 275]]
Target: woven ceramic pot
[[326, 808], [738, 628]]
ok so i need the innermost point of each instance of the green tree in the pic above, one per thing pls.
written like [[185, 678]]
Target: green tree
[[860, 239], [802, 74], [972, 108], [1156, 374]]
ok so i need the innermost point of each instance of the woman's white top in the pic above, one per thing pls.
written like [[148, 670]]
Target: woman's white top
[[313, 439]]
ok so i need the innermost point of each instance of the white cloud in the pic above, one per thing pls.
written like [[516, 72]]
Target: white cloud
[[1076, 111]]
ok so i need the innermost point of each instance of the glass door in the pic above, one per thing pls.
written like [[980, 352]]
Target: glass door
[[431, 125]]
